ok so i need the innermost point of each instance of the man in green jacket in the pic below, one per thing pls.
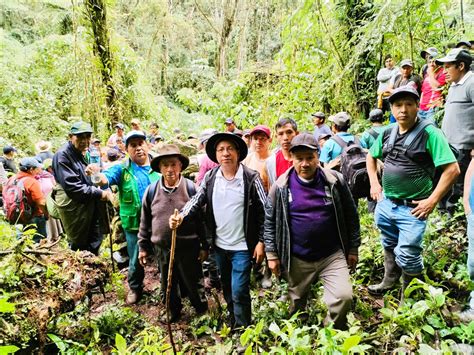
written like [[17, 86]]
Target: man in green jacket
[[132, 178]]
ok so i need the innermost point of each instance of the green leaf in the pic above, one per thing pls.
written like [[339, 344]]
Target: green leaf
[[8, 349], [248, 351], [428, 329], [120, 344], [350, 342], [245, 337], [6, 307]]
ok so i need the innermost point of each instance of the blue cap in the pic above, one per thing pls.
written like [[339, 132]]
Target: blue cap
[[134, 134], [29, 163]]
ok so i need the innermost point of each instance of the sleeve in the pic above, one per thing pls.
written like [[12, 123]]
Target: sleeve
[[364, 140], [34, 189], [144, 230], [438, 147], [376, 148], [383, 76], [114, 174], [72, 184], [261, 198], [269, 234], [194, 205]]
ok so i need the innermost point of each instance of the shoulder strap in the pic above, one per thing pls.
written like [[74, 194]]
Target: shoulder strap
[[151, 192], [190, 187], [416, 131], [341, 142], [392, 137], [373, 133]]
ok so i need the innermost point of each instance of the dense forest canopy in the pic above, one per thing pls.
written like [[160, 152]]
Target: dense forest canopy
[[192, 63]]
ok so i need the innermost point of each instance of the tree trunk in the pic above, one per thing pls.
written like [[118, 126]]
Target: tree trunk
[[228, 17], [97, 15]]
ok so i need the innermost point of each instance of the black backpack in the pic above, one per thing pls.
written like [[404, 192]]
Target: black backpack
[[354, 166], [191, 188]]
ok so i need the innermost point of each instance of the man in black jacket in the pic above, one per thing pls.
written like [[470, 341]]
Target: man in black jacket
[[234, 199], [77, 197], [312, 230]]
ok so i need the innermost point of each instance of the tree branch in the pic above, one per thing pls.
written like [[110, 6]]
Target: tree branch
[[206, 18]]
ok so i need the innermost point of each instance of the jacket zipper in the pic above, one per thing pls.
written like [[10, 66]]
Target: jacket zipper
[[337, 220]]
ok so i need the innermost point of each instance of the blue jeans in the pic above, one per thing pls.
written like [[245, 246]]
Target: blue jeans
[[234, 267], [401, 232], [40, 222], [136, 274], [470, 252], [428, 115]]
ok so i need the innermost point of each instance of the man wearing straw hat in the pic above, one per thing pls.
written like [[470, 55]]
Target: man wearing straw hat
[[43, 148], [172, 192]]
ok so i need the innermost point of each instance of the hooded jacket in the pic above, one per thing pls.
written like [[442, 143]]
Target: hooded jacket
[[277, 232]]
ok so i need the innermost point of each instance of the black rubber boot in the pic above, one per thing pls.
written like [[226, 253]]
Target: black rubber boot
[[406, 279], [391, 275]]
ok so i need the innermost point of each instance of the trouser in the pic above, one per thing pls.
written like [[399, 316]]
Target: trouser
[[234, 267], [136, 273], [94, 239], [401, 232], [187, 276], [334, 274], [210, 269], [40, 224], [470, 252]]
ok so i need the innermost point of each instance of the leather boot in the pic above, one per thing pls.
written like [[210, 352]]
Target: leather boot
[[391, 275], [406, 279]]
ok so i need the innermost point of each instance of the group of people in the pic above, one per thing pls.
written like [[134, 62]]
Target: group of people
[[288, 208]]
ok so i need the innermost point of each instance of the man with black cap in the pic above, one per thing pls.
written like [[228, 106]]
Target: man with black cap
[[132, 177], [8, 159], [335, 145], [410, 150], [230, 125], [234, 199], [319, 126], [75, 195], [458, 121], [405, 77], [172, 192], [312, 231]]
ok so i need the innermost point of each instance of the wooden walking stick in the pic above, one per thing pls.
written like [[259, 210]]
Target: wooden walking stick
[[170, 279]]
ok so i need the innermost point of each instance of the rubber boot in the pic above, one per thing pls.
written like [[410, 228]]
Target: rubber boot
[[406, 279], [391, 275]]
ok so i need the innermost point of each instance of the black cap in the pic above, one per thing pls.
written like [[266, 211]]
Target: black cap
[[304, 140], [8, 149], [404, 91]]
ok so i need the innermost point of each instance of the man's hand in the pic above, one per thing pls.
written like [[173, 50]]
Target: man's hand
[[352, 260], [259, 253], [142, 256], [203, 255], [376, 191], [274, 265], [175, 221], [423, 208], [92, 169]]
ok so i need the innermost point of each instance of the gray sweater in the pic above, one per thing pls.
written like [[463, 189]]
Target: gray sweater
[[458, 122]]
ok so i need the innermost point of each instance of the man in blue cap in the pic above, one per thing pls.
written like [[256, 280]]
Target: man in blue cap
[[132, 178], [75, 195], [8, 159]]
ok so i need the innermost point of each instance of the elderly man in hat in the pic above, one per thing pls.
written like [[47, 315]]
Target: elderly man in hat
[[172, 192], [75, 195], [43, 150], [234, 199], [410, 150], [132, 177], [312, 230]]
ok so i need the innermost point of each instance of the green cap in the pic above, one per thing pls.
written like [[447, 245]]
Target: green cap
[[80, 127]]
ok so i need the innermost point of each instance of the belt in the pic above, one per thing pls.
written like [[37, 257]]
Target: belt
[[400, 202]]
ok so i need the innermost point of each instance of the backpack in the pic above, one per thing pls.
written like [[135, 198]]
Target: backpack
[[15, 202], [190, 187], [354, 166], [373, 133]]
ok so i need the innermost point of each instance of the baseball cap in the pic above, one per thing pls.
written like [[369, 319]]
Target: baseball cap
[[206, 134], [229, 121], [431, 51], [406, 62], [95, 140], [113, 154], [80, 127], [456, 54], [246, 132], [403, 91], [8, 149], [134, 134], [304, 140], [319, 114], [261, 128], [464, 43], [135, 121], [341, 118], [29, 163], [119, 125]]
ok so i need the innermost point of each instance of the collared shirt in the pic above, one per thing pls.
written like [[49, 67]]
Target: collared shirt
[[331, 149], [228, 202], [463, 79]]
